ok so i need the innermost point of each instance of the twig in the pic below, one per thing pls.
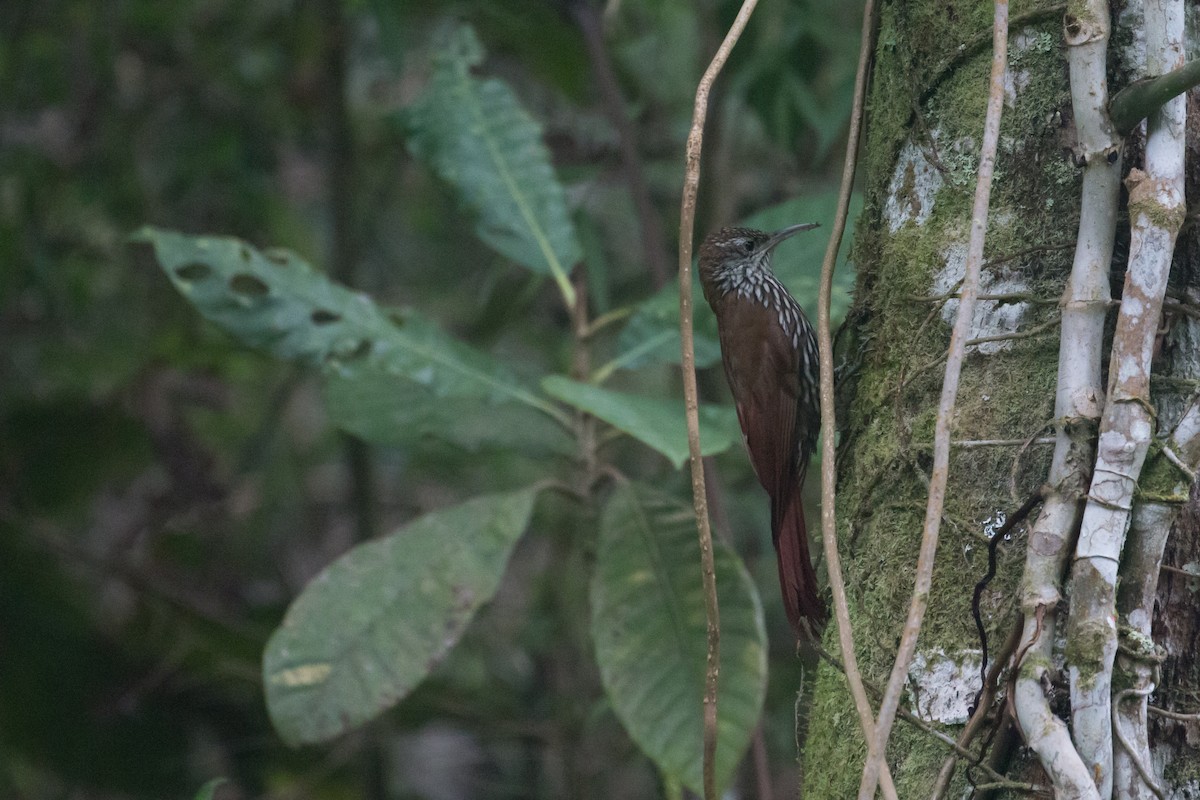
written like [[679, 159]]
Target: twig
[[762, 767], [687, 224], [979, 41], [983, 703], [1037, 330], [345, 245], [994, 262], [1003, 297], [1011, 786], [941, 450], [921, 725], [975, 444], [998, 536], [1171, 456], [604, 320], [833, 563], [1030, 440], [1003, 746], [1175, 715], [1025, 334]]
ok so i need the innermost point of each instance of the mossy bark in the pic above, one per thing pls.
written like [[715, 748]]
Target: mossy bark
[[925, 122]]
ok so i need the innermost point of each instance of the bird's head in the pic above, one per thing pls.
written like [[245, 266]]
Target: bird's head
[[732, 252]]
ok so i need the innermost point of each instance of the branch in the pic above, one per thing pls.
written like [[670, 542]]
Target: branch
[[1175, 715], [687, 225], [1140, 99], [833, 563], [1156, 212], [1079, 398], [941, 450], [1150, 525]]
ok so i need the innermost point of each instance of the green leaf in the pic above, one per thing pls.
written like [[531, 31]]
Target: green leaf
[[387, 408], [649, 626], [374, 623], [652, 333], [209, 790], [656, 422], [476, 136], [278, 303]]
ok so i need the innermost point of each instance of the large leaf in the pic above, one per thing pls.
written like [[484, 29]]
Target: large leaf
[[658, 423], [649, 627], [370, 627], [277, 302], [388, 408], [652, 333], [476, 136]]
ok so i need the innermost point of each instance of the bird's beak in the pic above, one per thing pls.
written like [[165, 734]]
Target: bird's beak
[[780, 235]]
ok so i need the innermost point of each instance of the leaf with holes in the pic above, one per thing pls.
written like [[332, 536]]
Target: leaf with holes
[[649, 627], [475, 134], [276, 302], [374, 623], [656, 422]]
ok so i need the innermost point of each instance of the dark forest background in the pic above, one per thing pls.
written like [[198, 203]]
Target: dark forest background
[[165, 491]]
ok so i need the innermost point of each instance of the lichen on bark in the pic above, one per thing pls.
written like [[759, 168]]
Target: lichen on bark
[[899, 339]]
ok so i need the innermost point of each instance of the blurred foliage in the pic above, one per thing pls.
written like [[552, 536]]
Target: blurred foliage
[[164, 492]]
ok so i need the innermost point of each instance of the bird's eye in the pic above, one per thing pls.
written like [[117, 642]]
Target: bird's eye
[[747, 245]]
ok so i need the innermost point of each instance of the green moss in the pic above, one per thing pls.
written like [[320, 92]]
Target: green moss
[[1159, 216], [1085, 650], [1160, 479], [1182, 771], [888, 424], [917, 756], [834, 739]]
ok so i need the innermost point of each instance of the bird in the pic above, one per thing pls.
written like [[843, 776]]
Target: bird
[[769, 352]]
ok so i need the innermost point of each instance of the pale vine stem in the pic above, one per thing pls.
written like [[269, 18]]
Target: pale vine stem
[[941, 445], [833, 564], [1175, 715], [1137, 754], [687, 226], [1079, 398], [1156, 212]]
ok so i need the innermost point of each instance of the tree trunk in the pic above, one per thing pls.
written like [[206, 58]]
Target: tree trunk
[[924, 128]]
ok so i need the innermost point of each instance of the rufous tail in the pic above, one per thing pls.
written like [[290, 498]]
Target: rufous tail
[[797, 580]]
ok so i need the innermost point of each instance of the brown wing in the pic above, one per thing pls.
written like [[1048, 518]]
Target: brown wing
[[763, 369], [763, 373]]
